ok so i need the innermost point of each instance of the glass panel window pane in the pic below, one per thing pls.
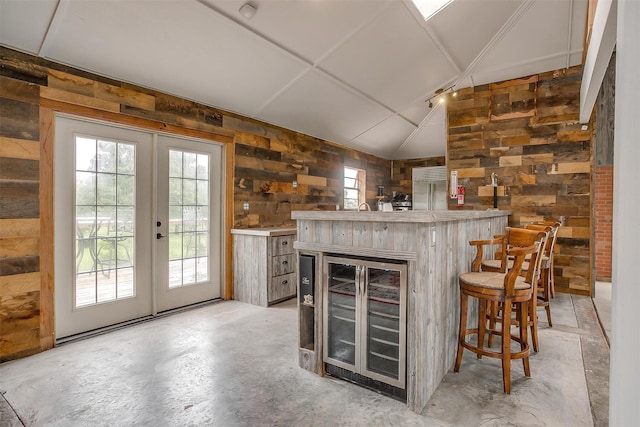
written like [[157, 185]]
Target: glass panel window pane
[[189, 271], [351, 183], [175, 164], [126, 159], [189, 165], [125, 190], [202, 193], [85, 188], [175, 246], [106, 189], [175, 191], [85, 154], [105, 220], [107, 286], [125, 283], [188, 218], [189, 245], [175, 219], [175, 273], [351, 194], [202, 213], [202, 269], [107, 156], [189, 192], [126, 223], [203, 166]]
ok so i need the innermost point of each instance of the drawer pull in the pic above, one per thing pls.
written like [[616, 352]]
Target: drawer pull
[[285, 243], [284, 282], [285, 262]]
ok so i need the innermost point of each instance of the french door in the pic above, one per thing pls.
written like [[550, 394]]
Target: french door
[[188, 217], [134, 231]]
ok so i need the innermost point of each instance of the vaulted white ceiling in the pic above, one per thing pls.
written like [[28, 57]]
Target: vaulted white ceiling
[[354, 72]]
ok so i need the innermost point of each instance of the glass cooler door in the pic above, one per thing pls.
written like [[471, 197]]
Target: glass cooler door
[[341, 321], [383, 341]]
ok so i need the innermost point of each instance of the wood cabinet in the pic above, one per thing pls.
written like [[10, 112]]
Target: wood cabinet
[[264, 265]]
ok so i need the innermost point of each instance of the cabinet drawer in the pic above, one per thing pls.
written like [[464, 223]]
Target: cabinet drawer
[[281, 287], [283, 264], [282, 245]]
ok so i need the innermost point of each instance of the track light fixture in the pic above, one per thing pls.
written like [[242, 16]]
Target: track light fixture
[[441, 95]]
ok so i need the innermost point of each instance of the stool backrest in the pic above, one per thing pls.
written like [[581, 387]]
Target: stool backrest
[[520, 242]]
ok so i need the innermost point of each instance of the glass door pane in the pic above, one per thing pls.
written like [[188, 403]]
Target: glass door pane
[[188, 218], [104, 220], [341, 312], [383, 338]]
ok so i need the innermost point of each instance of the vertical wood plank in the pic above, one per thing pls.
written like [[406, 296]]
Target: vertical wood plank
[[47, 333]]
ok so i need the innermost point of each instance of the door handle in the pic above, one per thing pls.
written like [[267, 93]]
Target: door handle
[[160, 236]]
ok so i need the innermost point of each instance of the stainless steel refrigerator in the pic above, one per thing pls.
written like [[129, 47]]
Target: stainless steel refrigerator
[[430, 188]]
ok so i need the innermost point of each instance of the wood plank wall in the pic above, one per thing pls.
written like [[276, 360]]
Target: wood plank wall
[[270, 160], [527, 131], [263, 163]]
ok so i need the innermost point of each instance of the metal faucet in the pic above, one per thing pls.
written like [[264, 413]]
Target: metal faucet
[[366, 205]]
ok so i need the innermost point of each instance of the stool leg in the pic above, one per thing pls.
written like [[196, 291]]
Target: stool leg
[[546, 281], [482, 324], [523, 316], [506, 346], [493, 315], [462, 332], [533, 321]]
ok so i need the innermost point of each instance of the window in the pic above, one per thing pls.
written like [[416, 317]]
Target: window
[[354, 188]]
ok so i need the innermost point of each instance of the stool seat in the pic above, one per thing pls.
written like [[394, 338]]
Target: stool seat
[[491, 280]]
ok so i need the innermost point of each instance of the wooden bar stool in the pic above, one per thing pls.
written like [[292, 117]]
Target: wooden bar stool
[[543, 296], [507, 288], [556, 226], [542, 276]]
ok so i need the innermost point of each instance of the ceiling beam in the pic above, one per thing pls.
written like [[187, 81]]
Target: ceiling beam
[[603, 40]]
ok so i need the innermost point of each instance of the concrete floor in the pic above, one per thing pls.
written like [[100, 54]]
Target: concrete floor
[[234, 364], [602, 301]]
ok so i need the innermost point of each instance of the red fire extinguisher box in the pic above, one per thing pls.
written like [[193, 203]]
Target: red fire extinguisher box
[[460, 195]]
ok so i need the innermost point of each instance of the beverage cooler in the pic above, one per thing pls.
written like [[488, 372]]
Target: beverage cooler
[[364, 338]]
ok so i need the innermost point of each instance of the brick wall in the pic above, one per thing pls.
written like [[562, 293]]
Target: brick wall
[[603, 219]]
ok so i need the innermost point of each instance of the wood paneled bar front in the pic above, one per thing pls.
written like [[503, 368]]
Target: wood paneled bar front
[[434, 245]]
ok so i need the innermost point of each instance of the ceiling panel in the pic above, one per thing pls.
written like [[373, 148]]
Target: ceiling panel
[[540, 36], [384, 137], [140, 42], [393, 59], [310, 29], [323, 108], [24, 23], [426, 141], [465, 38]]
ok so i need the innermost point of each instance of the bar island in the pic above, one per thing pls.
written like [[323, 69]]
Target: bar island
[[378, 294]]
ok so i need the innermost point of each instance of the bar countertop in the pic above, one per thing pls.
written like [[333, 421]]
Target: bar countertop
[[398, 216]]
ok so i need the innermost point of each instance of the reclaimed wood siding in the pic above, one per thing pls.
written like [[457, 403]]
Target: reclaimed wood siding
[[542, 157], [266, 160], [19, 218]]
